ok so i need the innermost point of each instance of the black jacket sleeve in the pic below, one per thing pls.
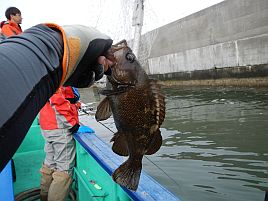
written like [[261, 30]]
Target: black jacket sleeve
[[30, 73]]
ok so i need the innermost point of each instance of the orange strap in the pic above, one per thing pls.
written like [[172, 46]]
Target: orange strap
[[65, 50], [71, 48]]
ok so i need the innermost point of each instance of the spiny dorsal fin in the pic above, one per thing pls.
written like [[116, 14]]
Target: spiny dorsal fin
[[159, 106]]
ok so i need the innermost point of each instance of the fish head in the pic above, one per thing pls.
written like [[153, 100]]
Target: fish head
[[126, 68]]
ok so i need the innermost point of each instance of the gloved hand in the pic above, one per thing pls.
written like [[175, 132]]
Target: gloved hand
[[74, 129], [99, 71], [85, 129]]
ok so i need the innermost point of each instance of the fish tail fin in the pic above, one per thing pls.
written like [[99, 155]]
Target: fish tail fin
[[128, 175]]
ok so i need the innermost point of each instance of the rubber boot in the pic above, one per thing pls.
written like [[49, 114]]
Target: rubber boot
[[46, 179], [59, 188]]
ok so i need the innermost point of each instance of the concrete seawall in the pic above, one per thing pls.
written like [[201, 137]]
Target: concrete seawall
[[226, 41]]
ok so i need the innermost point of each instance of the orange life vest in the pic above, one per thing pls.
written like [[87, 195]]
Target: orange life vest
[[59, 112], [10, 28]]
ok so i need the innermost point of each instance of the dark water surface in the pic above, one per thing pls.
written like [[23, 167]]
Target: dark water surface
[[215, 144]]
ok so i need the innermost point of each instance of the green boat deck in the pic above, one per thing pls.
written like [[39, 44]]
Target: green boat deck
[[28, 160], [95, 163]]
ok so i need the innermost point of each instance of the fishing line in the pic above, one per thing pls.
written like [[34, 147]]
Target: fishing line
[[149, 161], [186, 107], [173, 180], [106, 127], [83, 110], [162, 171]]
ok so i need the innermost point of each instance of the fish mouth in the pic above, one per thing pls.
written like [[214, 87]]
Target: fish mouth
[[115, 78]]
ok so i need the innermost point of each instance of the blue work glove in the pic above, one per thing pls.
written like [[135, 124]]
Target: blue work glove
[[85, 129]]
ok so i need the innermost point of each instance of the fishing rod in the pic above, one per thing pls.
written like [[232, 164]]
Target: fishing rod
[[173, 180], [88, 113]]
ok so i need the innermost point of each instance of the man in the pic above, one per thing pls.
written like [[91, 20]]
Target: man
[[12, 25], [58, 121], [35, 64]]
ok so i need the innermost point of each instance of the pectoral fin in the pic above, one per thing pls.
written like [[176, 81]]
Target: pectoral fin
[[155, 143], [120, 146], [104, 110]]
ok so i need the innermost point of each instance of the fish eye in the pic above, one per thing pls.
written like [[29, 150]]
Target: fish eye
[[130, 57]]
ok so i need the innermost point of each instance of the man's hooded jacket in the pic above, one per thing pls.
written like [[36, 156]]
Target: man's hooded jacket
[[33, 66]]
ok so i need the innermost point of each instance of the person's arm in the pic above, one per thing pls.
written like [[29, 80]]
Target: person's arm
[[33, 65], [30, 73]]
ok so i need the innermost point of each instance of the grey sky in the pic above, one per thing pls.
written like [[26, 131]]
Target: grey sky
[[111, 17]]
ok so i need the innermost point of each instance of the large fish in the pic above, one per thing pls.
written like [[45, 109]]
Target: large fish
[[138, 109]]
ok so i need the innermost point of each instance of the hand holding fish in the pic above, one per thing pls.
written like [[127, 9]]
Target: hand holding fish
[[105, 62]]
